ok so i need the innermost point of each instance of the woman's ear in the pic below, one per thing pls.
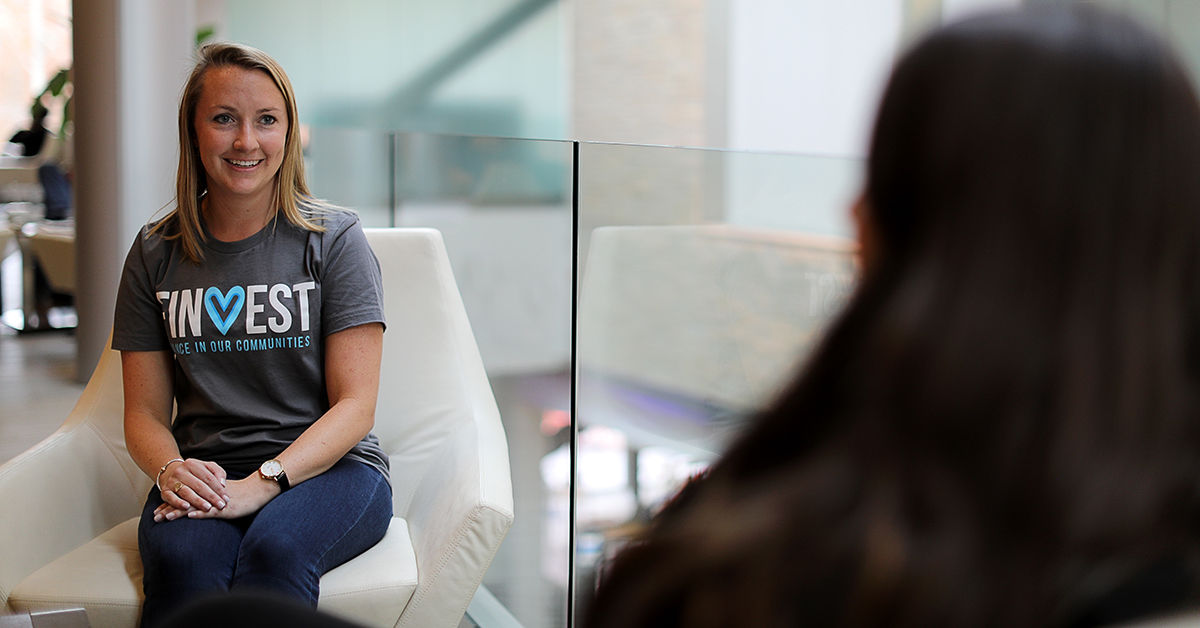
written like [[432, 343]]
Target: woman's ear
[[866, 232]]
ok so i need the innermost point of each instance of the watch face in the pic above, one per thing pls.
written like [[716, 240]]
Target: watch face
[[271, 469]]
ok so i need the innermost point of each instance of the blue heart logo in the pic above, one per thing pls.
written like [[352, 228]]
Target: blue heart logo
[[215, 303]]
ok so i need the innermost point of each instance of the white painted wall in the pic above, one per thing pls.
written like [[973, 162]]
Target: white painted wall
[[804, 75]]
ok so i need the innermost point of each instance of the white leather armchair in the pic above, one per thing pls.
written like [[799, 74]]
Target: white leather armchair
[[68, 506]]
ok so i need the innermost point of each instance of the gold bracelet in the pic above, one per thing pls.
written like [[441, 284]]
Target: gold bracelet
[[160, 472]]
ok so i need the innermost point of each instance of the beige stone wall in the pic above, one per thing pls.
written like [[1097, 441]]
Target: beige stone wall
[[640, 71], [647, 72], [35, 43]]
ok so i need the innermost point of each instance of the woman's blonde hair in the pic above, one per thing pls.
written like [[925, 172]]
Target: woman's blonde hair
[[291, 197]]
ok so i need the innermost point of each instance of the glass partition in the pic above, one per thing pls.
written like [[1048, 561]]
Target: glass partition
[[634, 305], [503, 207], [704, 278], [353, 168]]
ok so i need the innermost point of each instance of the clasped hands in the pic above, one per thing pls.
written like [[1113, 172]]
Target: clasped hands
[[198, 489]]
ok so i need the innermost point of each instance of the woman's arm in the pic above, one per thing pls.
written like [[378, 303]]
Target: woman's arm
[[149, 378], [352, 361]]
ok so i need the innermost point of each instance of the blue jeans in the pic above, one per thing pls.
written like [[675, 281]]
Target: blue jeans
[[283, 548]]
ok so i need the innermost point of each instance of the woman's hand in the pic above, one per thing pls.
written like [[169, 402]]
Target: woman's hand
[[352, 359], [246, 497], [192, 485]]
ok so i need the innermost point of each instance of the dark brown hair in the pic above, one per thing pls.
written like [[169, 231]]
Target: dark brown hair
[[1002, 428]]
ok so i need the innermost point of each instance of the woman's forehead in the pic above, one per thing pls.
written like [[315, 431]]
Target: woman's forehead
[[231, 84]]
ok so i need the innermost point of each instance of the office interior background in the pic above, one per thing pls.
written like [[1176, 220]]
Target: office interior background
[[645, 203]]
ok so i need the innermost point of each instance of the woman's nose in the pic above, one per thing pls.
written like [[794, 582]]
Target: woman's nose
[[245, 139]]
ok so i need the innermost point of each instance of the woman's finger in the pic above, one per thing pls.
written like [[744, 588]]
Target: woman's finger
[[213, 477], [205, 492], [175, 500], [168, 512], [192, 497], [173, 514], [213, 488], [217, 472], [195, 482]]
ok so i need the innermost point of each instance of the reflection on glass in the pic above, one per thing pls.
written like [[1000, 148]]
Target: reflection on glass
[[504, 210], [351, 168], [485, 171], [705, 278]]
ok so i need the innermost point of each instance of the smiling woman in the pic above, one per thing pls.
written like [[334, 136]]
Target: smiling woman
[[266, 336]]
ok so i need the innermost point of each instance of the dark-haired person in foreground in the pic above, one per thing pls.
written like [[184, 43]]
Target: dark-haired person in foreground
[[1003, 427]]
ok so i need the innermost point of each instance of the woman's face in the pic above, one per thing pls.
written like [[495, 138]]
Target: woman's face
[[241, 130]]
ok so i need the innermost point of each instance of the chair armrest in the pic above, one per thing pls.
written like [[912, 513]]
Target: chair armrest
[[58, 496], [461, 511], [449, 455], [69, 488]]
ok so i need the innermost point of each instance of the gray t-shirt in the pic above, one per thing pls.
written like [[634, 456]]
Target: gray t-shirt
[[247, 327]]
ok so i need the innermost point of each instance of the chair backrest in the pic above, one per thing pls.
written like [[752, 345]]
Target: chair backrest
[[433, 384], [710, 312]]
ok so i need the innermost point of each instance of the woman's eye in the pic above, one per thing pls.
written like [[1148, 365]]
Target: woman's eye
[[223, 118], [268, 120]]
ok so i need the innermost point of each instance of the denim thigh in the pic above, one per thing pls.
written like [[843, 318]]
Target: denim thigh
[[312, 528], [184, 558]]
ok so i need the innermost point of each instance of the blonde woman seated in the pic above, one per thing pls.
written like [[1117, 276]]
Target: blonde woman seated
[[258, 311]]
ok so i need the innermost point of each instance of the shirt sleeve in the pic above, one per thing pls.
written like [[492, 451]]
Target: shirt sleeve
[[351, 281], [138, 318]]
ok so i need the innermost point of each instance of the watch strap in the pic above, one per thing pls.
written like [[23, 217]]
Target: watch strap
[[283, 481]]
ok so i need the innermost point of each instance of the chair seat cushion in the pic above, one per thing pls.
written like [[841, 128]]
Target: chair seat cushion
[[375, 586], [105, 578]]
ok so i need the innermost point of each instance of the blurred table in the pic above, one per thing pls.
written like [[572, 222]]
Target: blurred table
[[18, 174], [42, 244]]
